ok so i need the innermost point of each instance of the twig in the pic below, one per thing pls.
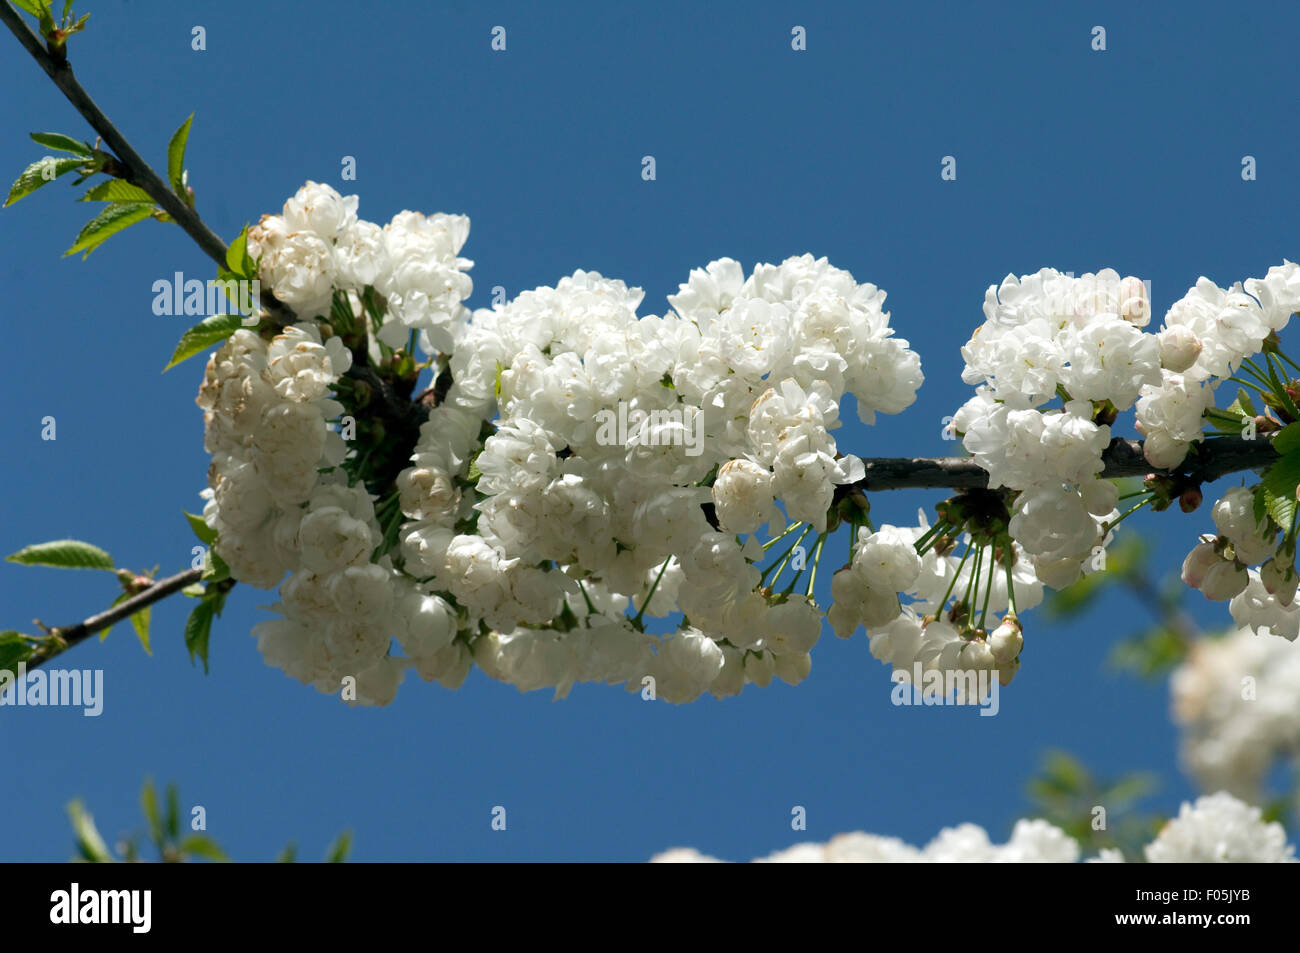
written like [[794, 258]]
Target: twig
[[75, 634]]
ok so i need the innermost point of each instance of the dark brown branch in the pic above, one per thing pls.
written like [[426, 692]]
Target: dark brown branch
[[1123, 458], [138, 171], [75, 634]]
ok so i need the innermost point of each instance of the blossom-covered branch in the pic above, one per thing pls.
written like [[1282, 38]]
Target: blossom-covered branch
[[1123, 458]]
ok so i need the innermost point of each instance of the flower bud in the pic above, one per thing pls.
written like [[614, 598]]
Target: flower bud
[[1007, 672], [1198, 562], [1179, 348], [1006, 641], [1223, 580], [1280, 580]]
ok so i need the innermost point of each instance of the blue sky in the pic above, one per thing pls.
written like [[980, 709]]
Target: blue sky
[[1066, 157]]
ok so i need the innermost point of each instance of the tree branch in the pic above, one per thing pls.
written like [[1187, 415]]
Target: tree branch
[[75, 634], [139, 171], [1206, 463]]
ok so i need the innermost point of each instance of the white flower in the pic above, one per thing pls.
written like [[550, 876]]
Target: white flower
[[1219, 829], [742, 495]]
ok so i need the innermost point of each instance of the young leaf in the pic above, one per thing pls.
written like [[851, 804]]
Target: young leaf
[[14, 648], [173, 812], [339, 850], [1281, 508], [63, 553], [1283, 477], [33, 7], [237, 260], [203, 335], [103, 633], [39, 173], [140, 622], [115, 190], [57, 140], [90, 845], [206, 534], [215, 570], [115, 218], [201, 845], [176, 157], [149, 805], [1287, 440], [198, 628]]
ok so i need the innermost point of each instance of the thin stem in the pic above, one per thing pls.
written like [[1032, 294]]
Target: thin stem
[[788, 530], [785, 558], [1125, 515], [1011, 590], [817, 558], [988, 591], [1251, 384], [75, 634], [591, 608], [141, 174], [648, 596], [974, 574], [955, 576], [1283, 356]]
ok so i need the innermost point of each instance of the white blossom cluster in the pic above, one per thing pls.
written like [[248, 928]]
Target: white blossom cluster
[[279, 506], [572, 522], [318, 245], [1215, 829], [1236, 700], [903, 635], [1262, 598], [587, 468], [1081, 340]]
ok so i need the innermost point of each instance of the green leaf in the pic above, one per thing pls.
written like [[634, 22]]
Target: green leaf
[[115, 218], [14, 648], [36, 175], [198, 629], [206, 534], [33, 7], [149, 805], [140, 622], [1151, 654], [116, 190], [288, 855], [1287, 440], [90, 845], [339, 850], [203, 846], [1283, 476], [103, 633], [237, 260], [65, 554], [1281, 508], [57, 140], [215, 568], [203, 335], [46, 18], [173, 823], [176, 158]]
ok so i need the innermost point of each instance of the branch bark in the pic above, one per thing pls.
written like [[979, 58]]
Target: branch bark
[[76, 634], [1123, 458], [140, 173]]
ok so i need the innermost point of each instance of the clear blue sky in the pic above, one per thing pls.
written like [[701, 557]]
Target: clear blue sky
[[1066, 157]]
